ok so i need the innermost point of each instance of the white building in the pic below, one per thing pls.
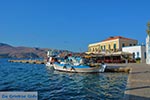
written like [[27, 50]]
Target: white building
[[148, 50], [138, 51], [148, 44]]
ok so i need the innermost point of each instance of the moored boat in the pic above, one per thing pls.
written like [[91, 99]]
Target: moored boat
[[73, 64], [78, 68]]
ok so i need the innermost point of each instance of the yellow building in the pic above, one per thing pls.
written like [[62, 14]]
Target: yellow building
[[111, 44]]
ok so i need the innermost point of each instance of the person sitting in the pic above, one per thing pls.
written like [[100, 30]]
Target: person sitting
[[66, 59]]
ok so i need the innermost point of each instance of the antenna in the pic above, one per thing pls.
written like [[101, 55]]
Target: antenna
[[80, 49]]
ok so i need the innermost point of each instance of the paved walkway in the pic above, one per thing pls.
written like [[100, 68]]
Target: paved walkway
[[138, 85]]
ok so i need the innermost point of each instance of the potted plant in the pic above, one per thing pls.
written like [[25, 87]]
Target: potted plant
[[138, 60]]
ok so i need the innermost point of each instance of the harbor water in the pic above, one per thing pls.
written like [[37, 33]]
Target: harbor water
[[55, 85]]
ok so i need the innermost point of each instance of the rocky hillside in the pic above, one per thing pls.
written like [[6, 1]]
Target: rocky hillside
[[8, 51]]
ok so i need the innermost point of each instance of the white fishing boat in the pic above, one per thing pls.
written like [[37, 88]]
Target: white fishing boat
[[78, 68], [72, 64]]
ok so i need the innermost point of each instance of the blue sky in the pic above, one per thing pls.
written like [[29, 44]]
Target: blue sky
[[71, 24]]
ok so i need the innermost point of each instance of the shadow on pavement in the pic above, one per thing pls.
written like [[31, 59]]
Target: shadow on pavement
[[138, 88], [140, 72]]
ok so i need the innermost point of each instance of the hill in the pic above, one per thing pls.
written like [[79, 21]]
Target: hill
[[8, 51]]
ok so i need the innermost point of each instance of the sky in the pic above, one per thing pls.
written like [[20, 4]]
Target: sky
[[71, 24]]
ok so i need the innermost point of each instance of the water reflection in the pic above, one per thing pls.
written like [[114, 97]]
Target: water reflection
[[92, 86]]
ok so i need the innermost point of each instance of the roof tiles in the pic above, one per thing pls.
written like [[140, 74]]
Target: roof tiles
[[116, 37]]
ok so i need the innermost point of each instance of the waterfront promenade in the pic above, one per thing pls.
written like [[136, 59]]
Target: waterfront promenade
[[138, 85]]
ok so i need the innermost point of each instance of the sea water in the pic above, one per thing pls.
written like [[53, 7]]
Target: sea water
[[55, 85]]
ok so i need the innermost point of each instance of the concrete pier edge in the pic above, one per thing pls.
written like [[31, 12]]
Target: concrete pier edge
[[138, 83]]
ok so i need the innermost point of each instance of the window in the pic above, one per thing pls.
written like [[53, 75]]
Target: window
[[133, 55], [137, 54], [123, 45], [145, 55], [109, 46], [130, 44], [114, 46], [104, 47], [101, 47]]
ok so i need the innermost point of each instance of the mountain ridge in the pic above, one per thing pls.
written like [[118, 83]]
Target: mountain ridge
[[9, 51]]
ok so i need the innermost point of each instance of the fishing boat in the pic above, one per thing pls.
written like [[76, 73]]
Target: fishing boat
[[78, 68], [72, 64]]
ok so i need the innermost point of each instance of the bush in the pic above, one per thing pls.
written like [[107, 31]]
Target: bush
[[137, 59]]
